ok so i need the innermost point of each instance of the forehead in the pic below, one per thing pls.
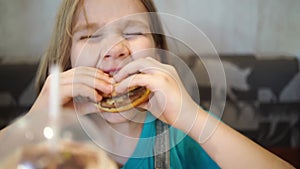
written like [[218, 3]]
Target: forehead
[[106, 11]]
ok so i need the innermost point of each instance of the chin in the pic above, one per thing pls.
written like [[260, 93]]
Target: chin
[[132, 115], [116, 118]]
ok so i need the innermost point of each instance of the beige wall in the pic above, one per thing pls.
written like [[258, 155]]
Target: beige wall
[[255, 26], [26, 26], [241, 26]]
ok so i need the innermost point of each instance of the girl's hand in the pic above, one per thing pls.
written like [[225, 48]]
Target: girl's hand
[[79, 82], [169, 102]]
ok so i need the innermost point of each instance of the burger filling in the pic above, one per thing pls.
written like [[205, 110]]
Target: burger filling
[[123, 99]]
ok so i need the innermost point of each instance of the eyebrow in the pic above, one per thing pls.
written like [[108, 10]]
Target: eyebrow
[[131, 23], [95, 26], [92, 26]]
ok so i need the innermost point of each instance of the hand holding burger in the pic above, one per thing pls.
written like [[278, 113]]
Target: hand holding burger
[[119, 102]]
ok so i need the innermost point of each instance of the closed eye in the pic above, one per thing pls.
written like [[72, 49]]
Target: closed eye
[[133, 34], [89, 37]]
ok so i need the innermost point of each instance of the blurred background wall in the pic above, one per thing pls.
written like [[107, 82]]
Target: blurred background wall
[[234, 26], [26, 27], [243, 26]]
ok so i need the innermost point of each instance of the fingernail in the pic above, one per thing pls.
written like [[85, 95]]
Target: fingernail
[[98, 98], [118, 89], [110, 88], [105, 74], [112, 80]]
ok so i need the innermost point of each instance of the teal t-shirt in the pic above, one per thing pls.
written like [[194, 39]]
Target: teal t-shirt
[[184, 153]]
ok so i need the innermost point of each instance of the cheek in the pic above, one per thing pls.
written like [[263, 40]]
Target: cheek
[[74, 55], [142, 48], [84, 54]]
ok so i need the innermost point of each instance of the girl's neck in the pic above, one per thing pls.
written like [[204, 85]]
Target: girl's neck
[[127, 129], [125, 142], [120, 139]]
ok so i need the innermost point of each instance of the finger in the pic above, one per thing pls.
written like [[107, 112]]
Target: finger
[[133, 80], [149, 106], [85, 108], [87, 71], [90, 81], [144, 65], [99, 74], [94, 83], [144, 106], [70, 91]]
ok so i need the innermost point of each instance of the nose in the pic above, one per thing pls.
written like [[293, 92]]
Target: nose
[[120, 50]]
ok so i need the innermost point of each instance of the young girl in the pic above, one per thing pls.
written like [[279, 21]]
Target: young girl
[[99, 43]]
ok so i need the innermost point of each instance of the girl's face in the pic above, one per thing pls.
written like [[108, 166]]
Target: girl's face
[[113, 36]]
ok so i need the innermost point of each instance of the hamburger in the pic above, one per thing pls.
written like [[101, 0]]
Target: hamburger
[[115, 103]]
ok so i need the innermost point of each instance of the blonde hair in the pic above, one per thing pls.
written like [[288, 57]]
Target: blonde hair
[[59, 50]]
